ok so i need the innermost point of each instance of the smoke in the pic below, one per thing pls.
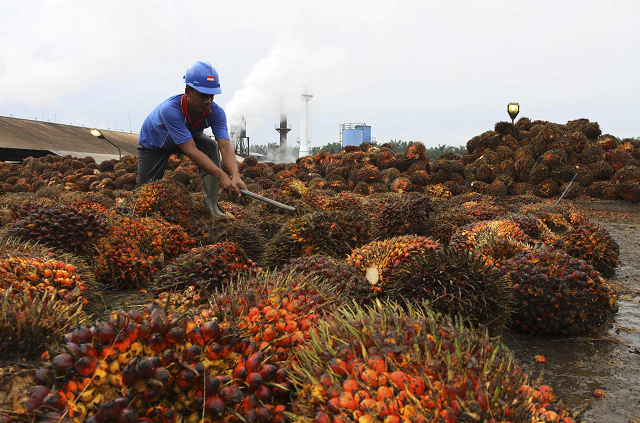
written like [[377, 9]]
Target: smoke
[[276, 81]]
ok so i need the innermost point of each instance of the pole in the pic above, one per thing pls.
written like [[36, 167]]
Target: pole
[[567, 188], [267, 200]]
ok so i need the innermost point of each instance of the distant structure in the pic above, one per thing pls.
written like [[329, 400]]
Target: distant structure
[[239, 138], [283, 130], [354, 134], [305, 126]]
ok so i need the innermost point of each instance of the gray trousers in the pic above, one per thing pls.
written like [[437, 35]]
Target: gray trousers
[[153, 163]]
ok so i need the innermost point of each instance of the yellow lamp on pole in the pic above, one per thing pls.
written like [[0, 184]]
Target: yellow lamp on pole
[[96, 133], [513, 109]]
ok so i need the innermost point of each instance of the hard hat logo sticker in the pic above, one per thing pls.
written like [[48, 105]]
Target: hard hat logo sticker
[[210, 78]]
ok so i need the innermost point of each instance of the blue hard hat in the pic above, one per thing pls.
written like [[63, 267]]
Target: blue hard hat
[[202, 77]]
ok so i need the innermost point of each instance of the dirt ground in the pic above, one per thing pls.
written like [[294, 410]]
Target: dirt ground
[[610, 359]]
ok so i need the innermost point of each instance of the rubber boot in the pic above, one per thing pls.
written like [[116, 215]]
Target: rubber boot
[[210, 190]]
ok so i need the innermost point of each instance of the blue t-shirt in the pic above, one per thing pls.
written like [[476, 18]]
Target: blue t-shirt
[[168, 125]]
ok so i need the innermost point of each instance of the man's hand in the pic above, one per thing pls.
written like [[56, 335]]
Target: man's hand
[[236, 185], [224, 180]]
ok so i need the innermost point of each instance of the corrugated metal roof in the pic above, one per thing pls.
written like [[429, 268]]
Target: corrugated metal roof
[[23, 133]]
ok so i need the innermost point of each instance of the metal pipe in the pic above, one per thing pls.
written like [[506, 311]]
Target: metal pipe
[[567, 188], [267, 200]]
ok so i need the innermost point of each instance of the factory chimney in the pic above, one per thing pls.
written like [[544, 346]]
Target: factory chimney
[[305, 126], [283, 129]]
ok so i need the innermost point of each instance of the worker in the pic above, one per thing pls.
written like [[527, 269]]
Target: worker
[[176, 127]]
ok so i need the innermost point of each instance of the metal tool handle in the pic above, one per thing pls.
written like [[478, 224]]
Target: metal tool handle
[[267, 200]]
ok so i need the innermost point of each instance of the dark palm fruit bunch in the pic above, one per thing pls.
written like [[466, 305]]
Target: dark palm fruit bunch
[[331, 232], [603, 189], [211, 267], [245, 235], [340, 276], [483, 209], [387, 364], [402, 184], [167, 199], [406, 214], [455, 283], [533, 227], [156, 367], [555, 293], [420, 178], [416, 151], [379, 259], [593, 244], [65, 227], [630, 191], [465, 238]]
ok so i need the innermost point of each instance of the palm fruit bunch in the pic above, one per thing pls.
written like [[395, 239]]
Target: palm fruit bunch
[[276, 311], [484, 209], [455, 282], [447, 220], [555, 293], [594, 245], [210, 267], [629, 191], [338, 275], [136, 248], [156, 367], [239, 231], [331, 232], [403, 215], [533, 227], [163, 198], [495, 247], [438, 191], [379, 259], [69, 228], [465, 238], [344, 201], [96, 202], [555, 217], [292, 187], [388, 364], [402, 184]]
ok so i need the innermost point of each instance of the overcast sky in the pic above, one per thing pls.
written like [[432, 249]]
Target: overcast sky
[[439, 72]]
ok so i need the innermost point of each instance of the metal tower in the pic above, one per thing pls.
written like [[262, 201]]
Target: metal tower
[[305, 126]]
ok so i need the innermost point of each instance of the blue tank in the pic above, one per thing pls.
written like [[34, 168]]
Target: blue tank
[[352, 137], [366, 130]]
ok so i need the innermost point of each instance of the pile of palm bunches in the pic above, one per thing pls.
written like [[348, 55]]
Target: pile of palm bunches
[[455, 282], [65, 227], [593, 244], [209, 267], [340, 276], [390, 364], [331, 232], [158, 368], [239, 231], [379, 259], [136, 248], [164, 198], [403, 215], [555, 293], [93, 201], [276, 311]]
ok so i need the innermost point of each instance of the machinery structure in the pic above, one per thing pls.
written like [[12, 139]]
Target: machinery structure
[[239, 139]]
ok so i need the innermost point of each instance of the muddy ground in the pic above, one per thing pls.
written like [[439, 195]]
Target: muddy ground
[[610, 359]]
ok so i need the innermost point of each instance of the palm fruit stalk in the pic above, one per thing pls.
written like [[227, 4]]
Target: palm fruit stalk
[[555, 293], [379, 259], [406, 214], [455, 282], [389, 364], [593, 244]]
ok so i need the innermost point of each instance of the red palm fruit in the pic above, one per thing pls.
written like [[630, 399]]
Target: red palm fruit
[[283, 391], [231, 395], [249, 402], [61, 363], [176, 335], [321, 417], [367, 405], [122, 342], [133, 332], [55, 401], [150, 395], [185, 378], [196, 336], [128, 375], [240, 374], [192, 352], [392, 419], [254, 381], [214, 350], [325, 379], [338, 366], [30, 405], [214, 407], [159, 322], [332, 392], [263, 414], [416, 386], [211, 331], [399, 379], [370, 378], [157, 342], [264, 393], [250, 415], [155, 362], [350, 385], [361, 395], [162, 375], [345, 400], [86, 350], [212, 386], [82, 335], [105, 333], [224, 380], [128, 415], [377, 363], [381, 409], [253, 363], [144, 369], [167, 357], [383, 392], [85, 366], [136, 316], [395, 407], [281, 375], [39, 392], [333, 405]]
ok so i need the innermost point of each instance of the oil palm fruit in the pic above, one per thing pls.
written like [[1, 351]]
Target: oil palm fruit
[[593, 244], [406, 214]]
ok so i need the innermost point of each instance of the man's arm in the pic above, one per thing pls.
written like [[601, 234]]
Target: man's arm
[[229, 160], [204, 162]]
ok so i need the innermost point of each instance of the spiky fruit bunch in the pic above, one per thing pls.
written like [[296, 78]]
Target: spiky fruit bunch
[[210, 267], [593, 244], [368, 174], [455, 283], [156, 367], [292, 187], [95, 202], [533, 228], [483, 209], [555, 217], [438, 191], [136, 248], [65, 227], [465, 238], [420, 178], [164, 198], [379, 259], [246, 236], [390, 364], [340, 276], [555, 293], [406, 214], [630, 191], [402, 184], [331, 232]]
